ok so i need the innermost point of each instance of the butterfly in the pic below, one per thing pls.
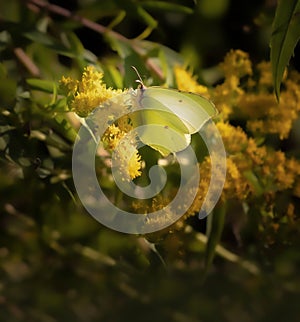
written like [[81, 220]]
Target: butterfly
[[169, 116]]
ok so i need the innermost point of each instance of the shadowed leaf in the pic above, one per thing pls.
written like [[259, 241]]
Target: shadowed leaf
[[285, 35]]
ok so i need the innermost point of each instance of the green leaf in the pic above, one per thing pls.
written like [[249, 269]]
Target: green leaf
[[285, 35], [70, 47], [98, 9], [74, 43], [40, 38], [166, 6], [146, 17], [130, 58], [217, 219], [112, 75], [252, 178], [8, 89], [41, 85], [3, 71]]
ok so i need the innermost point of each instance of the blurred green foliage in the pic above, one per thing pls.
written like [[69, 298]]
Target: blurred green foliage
[[56, 262]]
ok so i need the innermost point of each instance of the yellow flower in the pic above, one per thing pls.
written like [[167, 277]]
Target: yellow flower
[[236, 186], [186, 82], [225, 96], [253, 105], [265, 74], [236, 63], [263, 113], [88, 93], [128, 161], [296, 190], [205, 171], [134, 165], [267, 116], [124, 146], [256, 154], [112, 136], [282, 172], [234, 138], [70, 84], [125, 124]]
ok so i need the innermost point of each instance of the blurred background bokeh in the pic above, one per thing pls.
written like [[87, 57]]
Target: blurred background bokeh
[[59, 264]]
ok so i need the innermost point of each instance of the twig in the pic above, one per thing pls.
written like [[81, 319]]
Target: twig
[[27, 62]]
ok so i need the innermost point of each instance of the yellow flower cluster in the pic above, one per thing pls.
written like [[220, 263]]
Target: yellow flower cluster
[[225, 96], [89, 92], [254, 168], [236, 63], [123, 145], [245, 96]]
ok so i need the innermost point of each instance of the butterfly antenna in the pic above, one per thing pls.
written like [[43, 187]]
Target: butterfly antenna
[[139, 80]]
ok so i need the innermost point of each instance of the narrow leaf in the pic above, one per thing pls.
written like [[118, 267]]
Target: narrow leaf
[[254, 180], [285, 35], [166, 6], [41, 85], [217, 225], [146, 17]]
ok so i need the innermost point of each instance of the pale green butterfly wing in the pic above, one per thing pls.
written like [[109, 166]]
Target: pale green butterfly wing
[[192, 109], [164, 131], [170, 131], [151, 109]]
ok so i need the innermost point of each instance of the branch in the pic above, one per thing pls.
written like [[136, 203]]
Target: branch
[[27, 62]]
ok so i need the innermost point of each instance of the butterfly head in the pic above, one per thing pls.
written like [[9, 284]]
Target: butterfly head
[[139, 80]]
